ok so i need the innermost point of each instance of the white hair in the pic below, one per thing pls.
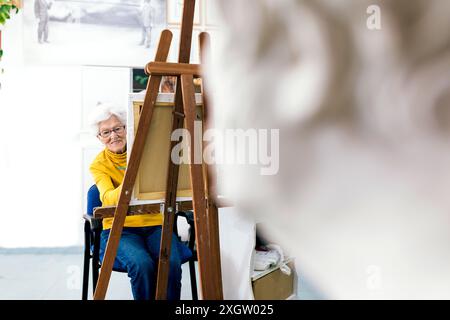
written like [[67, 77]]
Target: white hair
[[102, 112]]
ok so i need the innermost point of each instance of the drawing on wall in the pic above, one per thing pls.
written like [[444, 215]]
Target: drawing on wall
[[92, 32], [175, 11], [212, 14], [139, 83]]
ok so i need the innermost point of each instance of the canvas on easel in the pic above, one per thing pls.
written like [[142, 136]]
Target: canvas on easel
[[150, 187]]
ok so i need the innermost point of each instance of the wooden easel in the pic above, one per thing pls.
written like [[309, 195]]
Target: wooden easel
[[203, 202]]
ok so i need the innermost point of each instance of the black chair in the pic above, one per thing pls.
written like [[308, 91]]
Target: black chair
[[93, 228]]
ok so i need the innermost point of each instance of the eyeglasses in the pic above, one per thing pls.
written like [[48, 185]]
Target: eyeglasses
[[106, 133]]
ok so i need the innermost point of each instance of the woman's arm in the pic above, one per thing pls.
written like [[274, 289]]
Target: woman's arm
[[109, 195]]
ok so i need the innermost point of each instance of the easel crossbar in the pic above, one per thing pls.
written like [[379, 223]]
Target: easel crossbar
[[151, 208], [172, 69]]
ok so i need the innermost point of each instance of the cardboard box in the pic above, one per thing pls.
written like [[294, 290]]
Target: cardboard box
[[274, 284]]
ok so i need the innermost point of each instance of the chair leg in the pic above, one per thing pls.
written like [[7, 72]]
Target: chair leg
[[87, 256], [192, 264], [95, 260], [193, 280], [175, 225]]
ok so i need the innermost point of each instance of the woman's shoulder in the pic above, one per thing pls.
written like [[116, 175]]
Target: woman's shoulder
[[99, 159]]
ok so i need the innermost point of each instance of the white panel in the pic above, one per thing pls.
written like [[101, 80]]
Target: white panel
[[39, 190], [237, 242], [99, 84]]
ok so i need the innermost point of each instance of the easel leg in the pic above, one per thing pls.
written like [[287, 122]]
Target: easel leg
[[172, 175], [169, 211], [131, 172], [206, 260]]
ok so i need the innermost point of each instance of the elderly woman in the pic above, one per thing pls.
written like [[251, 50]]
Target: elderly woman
[[138, 250]]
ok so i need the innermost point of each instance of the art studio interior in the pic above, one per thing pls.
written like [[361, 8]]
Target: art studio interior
[[224, 149]]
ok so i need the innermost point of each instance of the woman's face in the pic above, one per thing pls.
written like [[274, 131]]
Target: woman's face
[[112, 134]]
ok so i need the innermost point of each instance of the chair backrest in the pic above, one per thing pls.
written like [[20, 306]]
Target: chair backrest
[[93, 199]]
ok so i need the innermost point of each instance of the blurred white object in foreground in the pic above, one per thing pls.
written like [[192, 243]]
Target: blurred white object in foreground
[[362, 196]]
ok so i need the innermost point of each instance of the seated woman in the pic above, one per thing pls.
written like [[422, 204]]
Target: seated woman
[[138, 250]]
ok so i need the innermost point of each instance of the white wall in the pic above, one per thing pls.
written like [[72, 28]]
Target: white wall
[[45, 150]]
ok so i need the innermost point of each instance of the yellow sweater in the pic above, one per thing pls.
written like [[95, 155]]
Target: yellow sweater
[[108, 170]]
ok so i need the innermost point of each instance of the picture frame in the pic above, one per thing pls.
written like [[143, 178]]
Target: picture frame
[[175, 12], [93, 32], [211, 13]]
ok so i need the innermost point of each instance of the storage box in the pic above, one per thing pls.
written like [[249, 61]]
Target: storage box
[[273, 284]]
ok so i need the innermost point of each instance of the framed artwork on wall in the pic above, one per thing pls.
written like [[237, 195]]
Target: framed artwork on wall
[[175, 12], [139, 80], [92, 32], [211, 13]]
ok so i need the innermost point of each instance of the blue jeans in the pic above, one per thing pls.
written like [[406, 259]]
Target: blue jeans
[[138, 255]]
